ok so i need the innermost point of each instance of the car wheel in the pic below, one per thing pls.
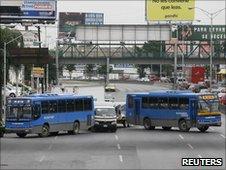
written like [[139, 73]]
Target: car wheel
[[12, 95], [203, 128], [75, 129], [183, 126], [45, 131], [147, 124]]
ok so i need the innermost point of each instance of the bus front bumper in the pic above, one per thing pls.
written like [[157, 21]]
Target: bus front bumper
[[209, 120]]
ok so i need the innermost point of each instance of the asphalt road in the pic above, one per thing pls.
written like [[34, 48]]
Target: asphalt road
[[128, 148]]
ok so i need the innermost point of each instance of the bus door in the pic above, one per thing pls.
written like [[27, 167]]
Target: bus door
[[193, 109], [136, 111]]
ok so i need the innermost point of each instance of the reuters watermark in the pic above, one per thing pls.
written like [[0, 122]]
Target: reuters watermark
[[202, 162]]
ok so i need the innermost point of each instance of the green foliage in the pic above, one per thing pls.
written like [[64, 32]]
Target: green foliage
[[102, 69], [140, 70], [70, 68], [89, 70]]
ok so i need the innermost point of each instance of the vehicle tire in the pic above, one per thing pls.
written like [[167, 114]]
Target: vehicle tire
[[166, 128], [12, 95], [125, 124], [21, 135], [203, 128], [75, 130], [183, 126], [45, 131], [147, 124], [1, 134]]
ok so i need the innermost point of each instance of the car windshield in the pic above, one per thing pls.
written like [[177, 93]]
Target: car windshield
[[105, 111], [23, 112]]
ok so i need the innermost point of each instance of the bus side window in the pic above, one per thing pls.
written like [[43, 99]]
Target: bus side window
[[87, 104], [70, 105], [79, 105], [145, 102], [163, 103], [183, 103], [173, 103], [153, 102], [45, 107], [61, 106], [53, 106]]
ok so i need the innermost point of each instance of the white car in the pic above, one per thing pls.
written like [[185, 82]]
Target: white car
[[10, 92]]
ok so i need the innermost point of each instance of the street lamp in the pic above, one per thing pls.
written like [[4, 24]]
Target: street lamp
[[211, 16], [4, 72]]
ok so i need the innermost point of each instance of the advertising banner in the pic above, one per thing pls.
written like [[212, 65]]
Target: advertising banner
[[33, 11], [39, 9], [170, 10], [201, 32], [69, 20]]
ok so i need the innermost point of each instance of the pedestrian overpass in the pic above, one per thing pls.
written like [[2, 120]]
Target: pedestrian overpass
[[118, 44]]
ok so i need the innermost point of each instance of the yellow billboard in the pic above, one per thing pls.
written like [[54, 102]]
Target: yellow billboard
[[170, 10]]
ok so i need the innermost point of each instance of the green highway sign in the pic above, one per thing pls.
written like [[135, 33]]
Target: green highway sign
[[201, 32]]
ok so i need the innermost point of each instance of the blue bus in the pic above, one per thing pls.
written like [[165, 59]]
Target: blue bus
[[46, 114], [169, 109]]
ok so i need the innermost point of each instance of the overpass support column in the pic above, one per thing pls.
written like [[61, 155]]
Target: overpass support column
[[175, 66], [160, 70], [107, 76]]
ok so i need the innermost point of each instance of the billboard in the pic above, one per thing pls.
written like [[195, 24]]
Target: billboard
[[30, 10], [39, 9], [169, 10], [69, 20], [201, 32]]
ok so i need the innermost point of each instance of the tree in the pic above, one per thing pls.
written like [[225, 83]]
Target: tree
[[5, 36], [102, 69], [89, 70], [140, 70], [70, 68]]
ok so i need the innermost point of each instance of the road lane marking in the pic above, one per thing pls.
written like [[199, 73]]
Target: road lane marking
[[55, 138], [181, 137], [222, 136], [189, 145], [212, 128], [120, 158], [199, 156], [118, 145], [116, 137], [42, 158]]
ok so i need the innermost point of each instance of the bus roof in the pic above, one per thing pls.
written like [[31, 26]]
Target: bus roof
[[166, 93], [51, 96]]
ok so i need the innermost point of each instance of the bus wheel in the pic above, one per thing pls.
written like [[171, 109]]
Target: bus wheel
[[183, 126], [166, 128], [45, 131], [21, 135], [147, 124], [75, 129], [203, 128]]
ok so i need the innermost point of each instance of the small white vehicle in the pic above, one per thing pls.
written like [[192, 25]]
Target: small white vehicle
[[105, 118], [10, 92]]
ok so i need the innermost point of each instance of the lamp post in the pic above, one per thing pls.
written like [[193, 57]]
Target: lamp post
[[211, 16], [4, 72]]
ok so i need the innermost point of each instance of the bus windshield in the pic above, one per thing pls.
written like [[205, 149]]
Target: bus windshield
[[208, 106], [105, 111], [23, 112]]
